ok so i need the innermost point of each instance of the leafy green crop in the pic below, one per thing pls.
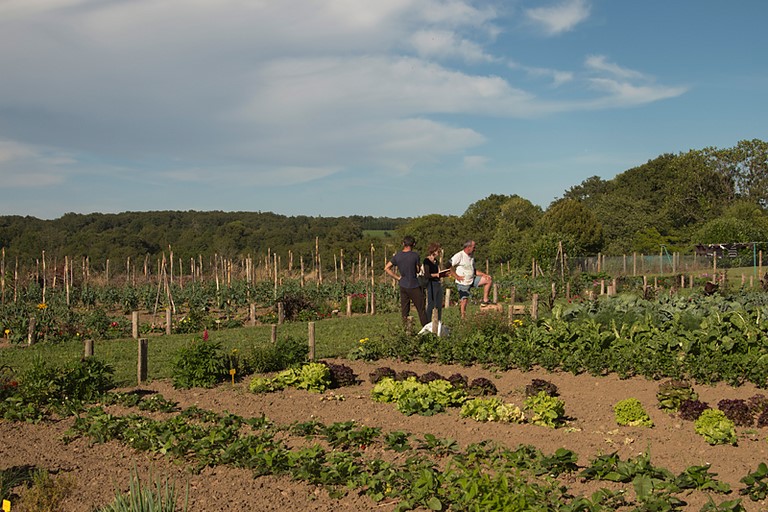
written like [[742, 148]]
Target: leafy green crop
[[673, 392], [413, 397], [715, 427], [315, 377], [545, 410], [491, 409], [630, 412], [199, 364]]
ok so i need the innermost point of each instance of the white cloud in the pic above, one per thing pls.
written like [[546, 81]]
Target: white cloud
[[600, 63], [259, 89], [444, 44], [559, 18], [23, 165], [475, 161], [621, 94]]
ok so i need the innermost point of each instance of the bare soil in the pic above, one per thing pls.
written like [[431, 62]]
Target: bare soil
[[100, 469]]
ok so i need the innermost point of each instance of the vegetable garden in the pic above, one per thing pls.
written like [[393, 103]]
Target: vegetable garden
[[617, 402]]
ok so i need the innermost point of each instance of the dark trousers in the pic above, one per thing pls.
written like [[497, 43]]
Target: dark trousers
[[415, 296], [435, 299]]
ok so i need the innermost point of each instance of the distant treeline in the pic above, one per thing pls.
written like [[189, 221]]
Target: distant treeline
[[189, 234], [672, 202]]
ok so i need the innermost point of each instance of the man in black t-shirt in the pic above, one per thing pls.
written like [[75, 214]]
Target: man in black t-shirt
[[407, 262]]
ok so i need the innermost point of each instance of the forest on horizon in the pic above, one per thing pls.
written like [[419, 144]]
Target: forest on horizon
[[674, 200]]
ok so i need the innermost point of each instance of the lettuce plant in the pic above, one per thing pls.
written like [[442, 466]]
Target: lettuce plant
[[672, 393], [630, 412], [491, 409], [545, 410], [715, 427]]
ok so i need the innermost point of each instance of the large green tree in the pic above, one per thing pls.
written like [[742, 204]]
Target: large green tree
[[575, 222]]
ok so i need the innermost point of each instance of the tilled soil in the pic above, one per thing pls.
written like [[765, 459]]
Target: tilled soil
[[100, 469]]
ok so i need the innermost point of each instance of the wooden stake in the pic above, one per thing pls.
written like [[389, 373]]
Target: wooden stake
[[311, 329], [141, 367], [135, 324], [88, 348]]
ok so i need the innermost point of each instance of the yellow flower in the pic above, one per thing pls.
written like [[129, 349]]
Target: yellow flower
[[7, 332], [42, 305], [363, 340]]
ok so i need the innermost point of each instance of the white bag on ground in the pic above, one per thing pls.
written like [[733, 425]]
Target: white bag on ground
[[439, 329]]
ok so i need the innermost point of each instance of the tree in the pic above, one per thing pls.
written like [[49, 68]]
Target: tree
[[746, 167], [696, 192], [575, 222], [443, 229], [480, 219], [511, 242]]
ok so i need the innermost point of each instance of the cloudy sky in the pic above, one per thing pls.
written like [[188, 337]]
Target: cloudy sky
[[360, 107]]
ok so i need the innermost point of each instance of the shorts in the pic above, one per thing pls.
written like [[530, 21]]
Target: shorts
[[465, 288]]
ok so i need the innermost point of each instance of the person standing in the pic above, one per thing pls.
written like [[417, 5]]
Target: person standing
[[407, 262], [468, 277], [434, 288]]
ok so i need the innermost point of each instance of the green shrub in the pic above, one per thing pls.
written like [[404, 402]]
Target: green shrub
[[630, 412], [199, 364], [274, 357]]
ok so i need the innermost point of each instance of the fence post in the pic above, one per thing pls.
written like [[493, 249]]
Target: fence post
[[311, 327], [135, 324], [141, 370], [273, 336], [88, 348], [252, 312], [349, 306], [32, 333], [535, 306], [373, 302], [280, 313], [447, 298], [168, 321]]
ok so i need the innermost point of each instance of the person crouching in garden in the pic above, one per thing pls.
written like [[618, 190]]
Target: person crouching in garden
[[408, 262]]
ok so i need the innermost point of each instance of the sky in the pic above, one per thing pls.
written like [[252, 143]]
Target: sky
[[388, 108]]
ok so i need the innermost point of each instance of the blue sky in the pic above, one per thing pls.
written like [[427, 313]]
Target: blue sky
[[360, 107]]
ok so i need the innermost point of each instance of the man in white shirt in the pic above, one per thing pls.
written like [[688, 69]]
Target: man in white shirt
[[467, 276]]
